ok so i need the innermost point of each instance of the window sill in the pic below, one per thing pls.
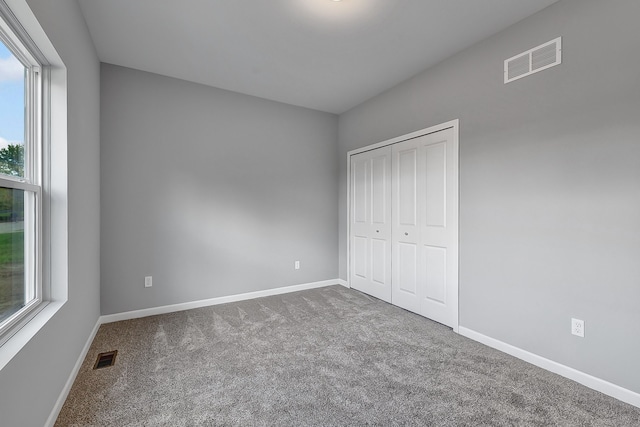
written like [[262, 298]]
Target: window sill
[[22, 337]]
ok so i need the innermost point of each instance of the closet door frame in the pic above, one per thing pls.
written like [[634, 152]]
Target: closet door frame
[[455, 126]]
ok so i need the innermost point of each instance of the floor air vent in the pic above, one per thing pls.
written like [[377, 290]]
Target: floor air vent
[[105, 360], [537, 59]]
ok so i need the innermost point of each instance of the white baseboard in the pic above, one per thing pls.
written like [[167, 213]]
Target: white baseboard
[[343, 283], [590, 381], [72, 377], [214, 301]]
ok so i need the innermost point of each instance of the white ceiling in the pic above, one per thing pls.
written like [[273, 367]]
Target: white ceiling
[[321, 54]]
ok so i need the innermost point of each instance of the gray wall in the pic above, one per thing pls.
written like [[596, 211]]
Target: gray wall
[[31, 383], [213, 193], [549, 183]]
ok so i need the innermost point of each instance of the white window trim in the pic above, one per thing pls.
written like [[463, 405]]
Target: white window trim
[[54, 209], [15, 37]]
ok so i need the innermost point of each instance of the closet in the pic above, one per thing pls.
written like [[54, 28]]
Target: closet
[[403, 222]]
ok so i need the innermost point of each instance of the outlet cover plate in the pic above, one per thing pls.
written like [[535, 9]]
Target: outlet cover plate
[[577, 327]]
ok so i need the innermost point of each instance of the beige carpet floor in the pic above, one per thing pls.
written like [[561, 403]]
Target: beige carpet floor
[[324, 357]]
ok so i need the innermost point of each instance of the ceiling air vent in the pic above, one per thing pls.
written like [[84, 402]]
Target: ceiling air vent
[[537, 59]]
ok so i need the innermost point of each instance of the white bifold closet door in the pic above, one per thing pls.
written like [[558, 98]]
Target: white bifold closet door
[[404, 225], [425, 229], [370, 226]]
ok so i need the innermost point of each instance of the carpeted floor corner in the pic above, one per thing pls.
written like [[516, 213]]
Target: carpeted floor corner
[[323, 357]]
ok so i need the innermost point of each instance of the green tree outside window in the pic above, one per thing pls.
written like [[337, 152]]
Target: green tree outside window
[[12, 160]]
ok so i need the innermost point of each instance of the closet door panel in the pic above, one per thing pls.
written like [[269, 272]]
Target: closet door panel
[[405, 231], [407, 268], [435, 185], [380, 189], [379, 261], [406, 179], [370, 226], [435, 262], [360, 191], [439, 227], [359, 254]]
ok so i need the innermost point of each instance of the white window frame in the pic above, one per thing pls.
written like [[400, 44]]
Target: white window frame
[[37, 83]]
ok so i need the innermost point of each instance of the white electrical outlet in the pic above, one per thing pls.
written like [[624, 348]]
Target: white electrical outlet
[[577, 327], [296, 265], [148, 281]]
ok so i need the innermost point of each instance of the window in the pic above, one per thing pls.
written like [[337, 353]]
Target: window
[[21, 130]]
